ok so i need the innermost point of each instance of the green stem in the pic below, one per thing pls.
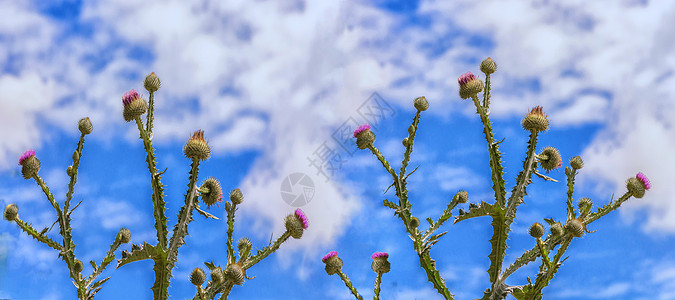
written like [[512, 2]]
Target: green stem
[[226, 292], [524, 177], [159, 206], [184, 216], [486, 94], [495, 157], [607, 208], [27, 228], [378, 281], [151, 109], [109, 257], [433, 275], [409, 145], [73, 174], [266, 251], [544, 254], [230, 230], [349, 285], [570, 192]]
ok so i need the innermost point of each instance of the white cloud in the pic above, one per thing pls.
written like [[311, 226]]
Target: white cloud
[[115, 214]]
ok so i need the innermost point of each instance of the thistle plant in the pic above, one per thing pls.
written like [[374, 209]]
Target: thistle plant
[[164, 253], [86, 285], [502, 212], [222, 281]]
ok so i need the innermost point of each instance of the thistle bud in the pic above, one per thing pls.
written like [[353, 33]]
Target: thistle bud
[[197, 277], [364, 137], [30, 165], [380, 263], [134, 105], [333, 262], [197, 148], [69, 170], [537, 230], [124, 236], [469, 85], [151, 82], [488, 66], [11, 211], [414, 222], [76, 157], [235, 274], [575, 227], [405, 142], [78, 266], [421, 103], [535, 120], [244, 247], [228, 206], [84, 125], [550, 158], [461, 197], [211, 192], [585, 206], [236, 196], [576, 162], [296, 223], [217, 275], [556, 229]]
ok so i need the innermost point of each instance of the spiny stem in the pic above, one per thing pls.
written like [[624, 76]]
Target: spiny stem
[[184, 216], [267, 251], [384, 162], [409, 144], [157, 196], [607, 208], [495, 163], [544, 254], [378, 281], [109, 257], [570, 192], [27, 228], [349, 285], [151, 109], [230, 230], [524, 177], [73, 174], [486, 94]]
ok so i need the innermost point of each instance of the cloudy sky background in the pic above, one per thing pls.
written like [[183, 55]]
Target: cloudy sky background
[[271, 81]]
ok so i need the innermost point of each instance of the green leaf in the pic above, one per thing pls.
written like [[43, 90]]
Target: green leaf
[[498, 242], [483, 209], [145, 251], [390, 204]]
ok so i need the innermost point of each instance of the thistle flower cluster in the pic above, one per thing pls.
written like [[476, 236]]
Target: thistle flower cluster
[[550, 248], [165, 252]]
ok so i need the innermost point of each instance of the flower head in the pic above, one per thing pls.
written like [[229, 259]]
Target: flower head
[[26, 155], [380, 263], [296, 223], [134, 105], [151, 82], [11, 211], [488, 66], [196, 147], [301, 216], [30, 165], [535, 120], [469, 85], [333, 263], [211, 192], [550, 158], [364, 137], [644, 180], [329, 256], [361, 128], [130, 96]]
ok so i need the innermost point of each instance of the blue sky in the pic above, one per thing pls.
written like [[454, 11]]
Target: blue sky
[[271, 81]]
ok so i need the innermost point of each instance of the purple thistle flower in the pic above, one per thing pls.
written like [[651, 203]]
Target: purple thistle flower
[[379, 255], [26, 155], [644, 180], [465, 78], [130, 96], [301, 216], [329, 256], [361, 128]]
